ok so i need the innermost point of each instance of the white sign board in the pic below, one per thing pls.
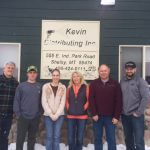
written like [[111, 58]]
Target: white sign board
[[70, 46]]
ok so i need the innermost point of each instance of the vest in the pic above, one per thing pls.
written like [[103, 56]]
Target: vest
[[76, 104]]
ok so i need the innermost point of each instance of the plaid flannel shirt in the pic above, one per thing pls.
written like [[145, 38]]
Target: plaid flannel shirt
[[7, 93]]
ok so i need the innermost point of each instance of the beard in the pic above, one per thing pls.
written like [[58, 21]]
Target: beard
[[130, 75]]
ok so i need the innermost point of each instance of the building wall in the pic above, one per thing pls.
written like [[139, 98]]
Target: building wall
[[128, 22]]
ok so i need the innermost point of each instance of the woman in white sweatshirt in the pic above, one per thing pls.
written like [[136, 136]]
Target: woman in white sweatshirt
[[53, 102]]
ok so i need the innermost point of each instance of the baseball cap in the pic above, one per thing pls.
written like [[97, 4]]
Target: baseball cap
[[32, 68], [130, 64]]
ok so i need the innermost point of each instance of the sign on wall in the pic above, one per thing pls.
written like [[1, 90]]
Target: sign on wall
[[70, 46]]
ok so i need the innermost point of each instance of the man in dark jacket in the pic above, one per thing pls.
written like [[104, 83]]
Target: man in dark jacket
[[8, 86], [106, 107]]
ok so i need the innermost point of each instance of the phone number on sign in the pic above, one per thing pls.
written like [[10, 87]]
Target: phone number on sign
[[77, 68]]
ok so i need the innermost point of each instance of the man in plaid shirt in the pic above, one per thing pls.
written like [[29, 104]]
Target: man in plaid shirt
[[8, 86]]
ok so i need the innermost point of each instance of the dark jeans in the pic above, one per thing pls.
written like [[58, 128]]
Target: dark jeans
[[5, 125], [23, 126], [106, 122], [53, 130], [134, 132], [76, 130]]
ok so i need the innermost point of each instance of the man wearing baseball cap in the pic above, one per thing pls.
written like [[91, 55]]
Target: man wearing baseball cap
[[136, 94], [27, 109]]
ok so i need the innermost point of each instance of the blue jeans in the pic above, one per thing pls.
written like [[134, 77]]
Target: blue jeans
[[5, 125], [106, 122], [76, 130], [53, 130], [134, 132]]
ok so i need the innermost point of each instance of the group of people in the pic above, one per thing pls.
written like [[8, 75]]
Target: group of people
[[104, 99]]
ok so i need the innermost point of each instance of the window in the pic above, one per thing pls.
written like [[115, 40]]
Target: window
[[140, 54], [10, 52], [147, 64]]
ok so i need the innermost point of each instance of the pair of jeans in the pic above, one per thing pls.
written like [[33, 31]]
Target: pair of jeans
[[25, 126], [53, 131], [5, 125], [134, 132], [104, 122], [76, 130]]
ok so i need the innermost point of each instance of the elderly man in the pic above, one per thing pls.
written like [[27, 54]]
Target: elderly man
[[135, 97], [8, 86], [106, 107]]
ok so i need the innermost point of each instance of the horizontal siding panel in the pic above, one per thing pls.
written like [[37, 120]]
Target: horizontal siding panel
[[31, 51], [43, 14], [32, 31], [135, 1], [35, 50], [128, 6], [126, 33], [108, 24], [21, 39], [104, 59], [56, 17], [20, 22], [26, 59], [38, 13], [125, 41], [126, 24], [109, 50], [40, 4]]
